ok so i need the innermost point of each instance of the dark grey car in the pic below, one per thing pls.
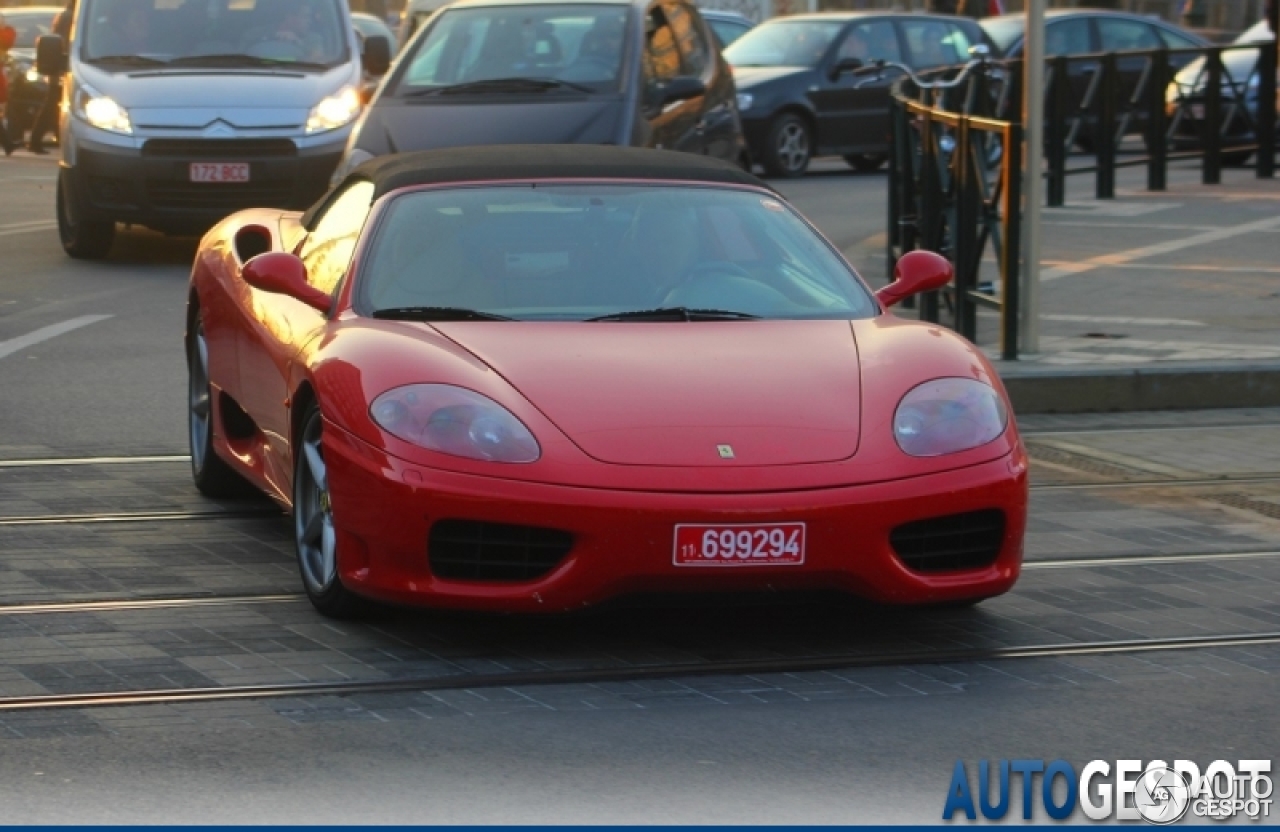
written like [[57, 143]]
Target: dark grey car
[[644, 73]]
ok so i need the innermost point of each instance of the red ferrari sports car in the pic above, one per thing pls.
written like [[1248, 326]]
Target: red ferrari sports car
[[535, 378]]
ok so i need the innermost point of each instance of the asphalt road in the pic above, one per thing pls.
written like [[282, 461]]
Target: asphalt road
[[871, 742]]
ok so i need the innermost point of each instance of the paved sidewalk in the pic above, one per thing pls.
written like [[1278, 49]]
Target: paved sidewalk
[[1190, 274]]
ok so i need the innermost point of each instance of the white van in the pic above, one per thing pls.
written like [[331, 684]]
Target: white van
[[180, 112]]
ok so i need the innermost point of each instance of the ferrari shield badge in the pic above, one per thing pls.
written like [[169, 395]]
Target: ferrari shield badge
[[725, 451]]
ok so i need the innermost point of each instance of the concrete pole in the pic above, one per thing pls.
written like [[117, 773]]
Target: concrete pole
[[1033, 180]]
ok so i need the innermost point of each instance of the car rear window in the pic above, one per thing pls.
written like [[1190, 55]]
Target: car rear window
[[573, 252]]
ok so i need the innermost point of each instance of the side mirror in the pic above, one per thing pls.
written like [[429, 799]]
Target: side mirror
[[844, 65], [284, 274], [916, 272], [376, 57], [681, 88], [51, 55]]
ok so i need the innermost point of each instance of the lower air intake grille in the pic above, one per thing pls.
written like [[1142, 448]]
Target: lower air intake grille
[[943, 544], [470, 550]]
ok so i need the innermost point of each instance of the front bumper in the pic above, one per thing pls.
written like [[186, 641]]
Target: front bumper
[[383, 508], [151, 186]]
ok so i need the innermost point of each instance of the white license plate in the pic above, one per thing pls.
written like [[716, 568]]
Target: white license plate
[[219, 171], [739, 544]]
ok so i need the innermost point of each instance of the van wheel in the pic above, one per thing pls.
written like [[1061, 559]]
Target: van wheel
[[789, 147], [81, 238]]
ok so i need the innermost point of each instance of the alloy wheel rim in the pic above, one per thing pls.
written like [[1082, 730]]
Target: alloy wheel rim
[[313, 514], [199, 398], [793, 146]]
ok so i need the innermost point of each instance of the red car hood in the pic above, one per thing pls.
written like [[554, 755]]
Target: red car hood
[[776, 392]]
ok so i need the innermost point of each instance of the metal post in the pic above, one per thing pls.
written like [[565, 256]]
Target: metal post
[[1157, 122], [1104, 133], [930, 209], [1211, 172], [1267, 103], [964, 232], [894, 242], [1056, 129], [1033, 185], [1010, 215]]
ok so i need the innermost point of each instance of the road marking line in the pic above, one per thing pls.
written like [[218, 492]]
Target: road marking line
[[44, 333], [1067, 264], [1103, 319], [1110, 209], [1120, 258], [28, 227]]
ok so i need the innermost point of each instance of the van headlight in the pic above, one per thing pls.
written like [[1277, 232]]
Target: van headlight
[[100, 110], [338, 110]]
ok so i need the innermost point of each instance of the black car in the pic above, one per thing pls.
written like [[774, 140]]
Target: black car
[[1185, 98], [727, 26], [1092, 31], [799, 96], [27, 88], [644, 73]]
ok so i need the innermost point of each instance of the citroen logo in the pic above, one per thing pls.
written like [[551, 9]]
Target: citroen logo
[[725, 451]]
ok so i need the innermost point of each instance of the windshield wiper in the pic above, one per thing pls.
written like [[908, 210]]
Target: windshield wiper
[[237, 59], [676, 313], [129, 60], [436, 313], [500, 85]]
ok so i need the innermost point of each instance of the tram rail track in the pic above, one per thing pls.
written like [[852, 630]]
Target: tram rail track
[[542, 678], [107, 605]]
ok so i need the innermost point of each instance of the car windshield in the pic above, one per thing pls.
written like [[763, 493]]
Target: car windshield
[[784, 43], [29, 25], [1004, 31], [467, 49], [602, 251], [301, 33]]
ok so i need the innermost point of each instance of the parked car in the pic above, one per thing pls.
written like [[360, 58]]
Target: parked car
[[553, 375], [727, 26], [182, 111], [642, 73], [798, 93], [1185, 98], [1089, 32], [27, 87]]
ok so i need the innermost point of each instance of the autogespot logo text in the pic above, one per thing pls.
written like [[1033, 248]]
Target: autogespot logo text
[[1126, 790]]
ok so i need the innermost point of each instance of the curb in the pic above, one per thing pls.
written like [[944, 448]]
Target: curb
[[1197, 387]]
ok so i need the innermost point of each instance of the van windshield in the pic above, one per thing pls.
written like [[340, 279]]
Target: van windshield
[[575, 47], [298, 33]]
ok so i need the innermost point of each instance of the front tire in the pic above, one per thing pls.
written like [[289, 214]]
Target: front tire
[[789, 147], [213, 477], [81, 238], [315, 540]]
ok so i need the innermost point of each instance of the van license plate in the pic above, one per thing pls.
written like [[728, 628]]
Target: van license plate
[[219, 171]]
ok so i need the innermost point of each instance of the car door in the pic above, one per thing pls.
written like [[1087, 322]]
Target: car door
[[718, 126], [673, 125], [281, 326], [853, 110]]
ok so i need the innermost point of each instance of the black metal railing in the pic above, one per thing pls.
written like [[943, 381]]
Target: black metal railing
[[955, 188]]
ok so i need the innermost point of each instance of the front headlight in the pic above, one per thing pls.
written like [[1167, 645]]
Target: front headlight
[[455, 421], [948, 415], [338, 110], [354, 159], [745, 100], [100, 110]]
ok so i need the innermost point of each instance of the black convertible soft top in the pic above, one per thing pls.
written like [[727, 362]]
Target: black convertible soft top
[[500, 163]]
